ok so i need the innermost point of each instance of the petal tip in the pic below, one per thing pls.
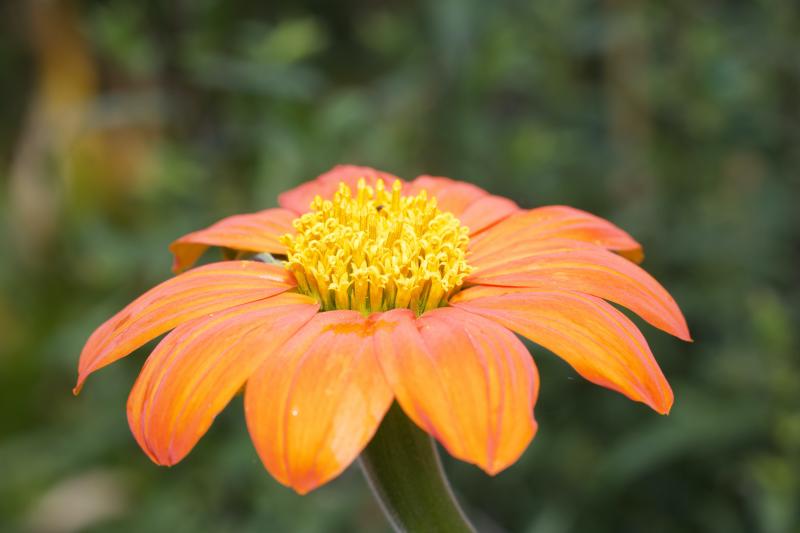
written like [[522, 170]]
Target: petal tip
[[493, 471], [303, 483], [169, 463], [80, 382], [498, 464], [663, 405], [635, 255], [681, 331], [302, 490], [178, 265], [495, 467]]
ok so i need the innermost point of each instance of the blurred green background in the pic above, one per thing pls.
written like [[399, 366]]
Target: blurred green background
[[126, 123]]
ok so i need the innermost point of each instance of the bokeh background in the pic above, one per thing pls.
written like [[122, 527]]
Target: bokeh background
[[126, 123]]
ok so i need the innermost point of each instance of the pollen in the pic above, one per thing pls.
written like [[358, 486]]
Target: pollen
[[375, 249]]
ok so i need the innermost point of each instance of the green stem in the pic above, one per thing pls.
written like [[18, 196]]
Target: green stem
[[403, 469]]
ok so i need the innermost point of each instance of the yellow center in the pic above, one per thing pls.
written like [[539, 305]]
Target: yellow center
[[378, 250]]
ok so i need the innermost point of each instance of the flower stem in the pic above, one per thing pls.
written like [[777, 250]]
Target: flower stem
[[403, 469]]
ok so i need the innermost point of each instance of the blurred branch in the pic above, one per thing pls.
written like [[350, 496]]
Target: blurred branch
[[628, 106], [66, 82]]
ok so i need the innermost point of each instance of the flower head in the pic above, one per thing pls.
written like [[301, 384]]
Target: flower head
[[384, 291]]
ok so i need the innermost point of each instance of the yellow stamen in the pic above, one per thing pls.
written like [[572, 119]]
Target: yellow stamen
[[378, 250]]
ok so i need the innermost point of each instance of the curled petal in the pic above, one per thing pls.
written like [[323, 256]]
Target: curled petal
[[299, 199], [256, 232], [195, 371], [316, 401], [190, 295], [465, 380], [600, 343], [554, 222], [473, 206], [561, 264]]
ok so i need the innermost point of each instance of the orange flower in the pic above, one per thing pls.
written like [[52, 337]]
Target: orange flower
[[386, 291]]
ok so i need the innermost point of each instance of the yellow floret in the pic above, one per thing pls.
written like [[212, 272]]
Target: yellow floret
[[378, 250]]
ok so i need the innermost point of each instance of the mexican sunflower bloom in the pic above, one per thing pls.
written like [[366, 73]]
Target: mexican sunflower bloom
[[361, 290]]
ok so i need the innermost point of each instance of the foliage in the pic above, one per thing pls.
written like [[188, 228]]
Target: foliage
[[126, 124]]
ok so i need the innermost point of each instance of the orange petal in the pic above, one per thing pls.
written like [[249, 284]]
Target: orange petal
[[485, 212], [600, 343], [473, 206], [465, 380], [299, 199], [190, 295], [196, 370], [560, 264], [451, 195], [255, 232], [554, 222], [316, 401]]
